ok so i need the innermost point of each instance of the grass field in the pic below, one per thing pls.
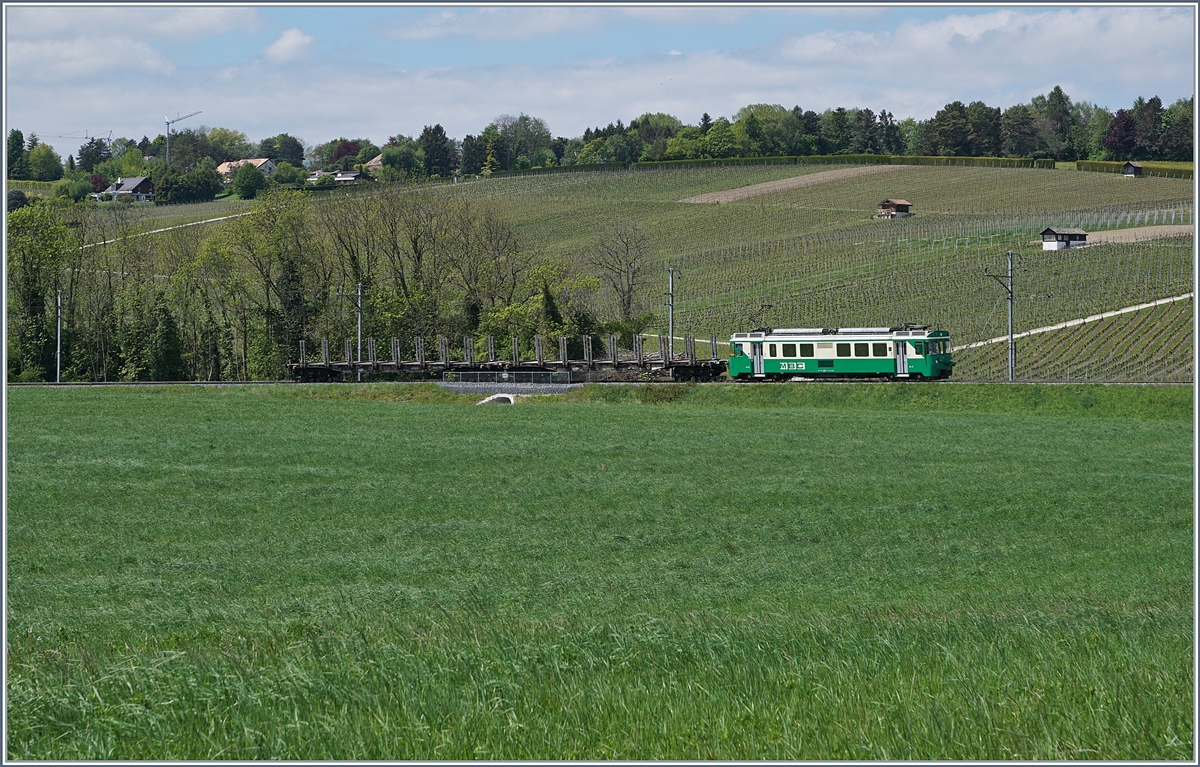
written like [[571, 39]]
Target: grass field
[[719, 572]]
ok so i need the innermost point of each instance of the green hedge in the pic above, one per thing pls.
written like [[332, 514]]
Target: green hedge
[[1148, 168], [560, 169], [44, 188], [857, 159]]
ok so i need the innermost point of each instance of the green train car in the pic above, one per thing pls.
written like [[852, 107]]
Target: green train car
[[912, 352]]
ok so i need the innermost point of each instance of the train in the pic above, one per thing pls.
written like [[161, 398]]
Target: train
[[905, 352]]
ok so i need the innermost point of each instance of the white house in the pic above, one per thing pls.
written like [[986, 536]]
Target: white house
[[1057, 238]]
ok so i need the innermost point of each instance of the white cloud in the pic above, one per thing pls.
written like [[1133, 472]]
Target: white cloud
[[1009, 54], [290, 45], [145, 21], [56, 61], [499, 23], [1107, 55]]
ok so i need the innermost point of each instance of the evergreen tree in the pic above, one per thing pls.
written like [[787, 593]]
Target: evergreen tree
[[983, 129], [1018, 133], [18, 167], [950, 131], [436, 145]]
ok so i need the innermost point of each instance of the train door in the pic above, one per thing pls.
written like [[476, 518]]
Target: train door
[[901, 358], [756, 359]]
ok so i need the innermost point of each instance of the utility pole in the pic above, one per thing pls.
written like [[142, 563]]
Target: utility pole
[[1006, 280], [671, 313], [58, 343]]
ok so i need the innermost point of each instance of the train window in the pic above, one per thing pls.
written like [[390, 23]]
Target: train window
[[843, 350], [772, 352], [862, 350], [789, 350], [806, 350], [880, 350], [825, 346], [919, 346]]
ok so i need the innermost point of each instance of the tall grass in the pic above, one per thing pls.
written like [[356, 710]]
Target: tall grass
[[843, 572]]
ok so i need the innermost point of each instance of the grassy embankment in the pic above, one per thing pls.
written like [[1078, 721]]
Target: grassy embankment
[[854, 571]]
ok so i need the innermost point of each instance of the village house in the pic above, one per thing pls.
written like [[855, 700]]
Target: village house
[[229, 169], [138, 189], [376, 163], [1057, 238], [890, 208]]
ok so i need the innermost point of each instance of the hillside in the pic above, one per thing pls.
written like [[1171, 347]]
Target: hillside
[[811, 255]]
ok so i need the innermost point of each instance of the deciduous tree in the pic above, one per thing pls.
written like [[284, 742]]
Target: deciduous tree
[[619, 257]]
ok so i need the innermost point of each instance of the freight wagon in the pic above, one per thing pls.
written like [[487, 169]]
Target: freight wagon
[[912, 352]]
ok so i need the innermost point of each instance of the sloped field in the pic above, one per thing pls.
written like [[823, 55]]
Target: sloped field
[[1151, 345]]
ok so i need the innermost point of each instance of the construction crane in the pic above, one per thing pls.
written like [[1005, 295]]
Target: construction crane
[[85, 137], [169, 123]]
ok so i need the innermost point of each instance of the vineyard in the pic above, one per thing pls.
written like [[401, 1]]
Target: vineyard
[[810, 256], [1149, 345]]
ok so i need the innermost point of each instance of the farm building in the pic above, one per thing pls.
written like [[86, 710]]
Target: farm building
[[1132, 169], [139, 189], [375, 163], [890, 208], [1057, 238], [350, 177]]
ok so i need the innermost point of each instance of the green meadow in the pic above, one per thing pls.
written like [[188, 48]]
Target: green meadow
[[843, 571]]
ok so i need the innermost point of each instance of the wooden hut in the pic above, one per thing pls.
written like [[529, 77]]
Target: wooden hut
[[890, 208], [1132, 169], [1057, 238]]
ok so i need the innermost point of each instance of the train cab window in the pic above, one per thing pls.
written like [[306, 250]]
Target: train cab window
[[880, 350], [806, 350], [919, 346], [789, 350], [862, 350], [843, 350], [772, 351]]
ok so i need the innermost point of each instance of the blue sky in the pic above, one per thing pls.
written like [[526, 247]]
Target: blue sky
[[323, 72]]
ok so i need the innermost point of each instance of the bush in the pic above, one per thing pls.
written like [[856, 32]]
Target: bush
[[16, 200], [249, 181], [76, 189]]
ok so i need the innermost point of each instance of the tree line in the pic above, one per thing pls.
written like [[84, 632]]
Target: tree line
[[1050, 125], [232, 301]]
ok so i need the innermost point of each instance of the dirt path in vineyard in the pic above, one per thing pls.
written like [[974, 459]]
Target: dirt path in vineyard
[[797, 182]]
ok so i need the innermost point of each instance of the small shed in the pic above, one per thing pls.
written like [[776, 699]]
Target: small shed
[[1132, 169], [890, 208], [1057, 238]]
